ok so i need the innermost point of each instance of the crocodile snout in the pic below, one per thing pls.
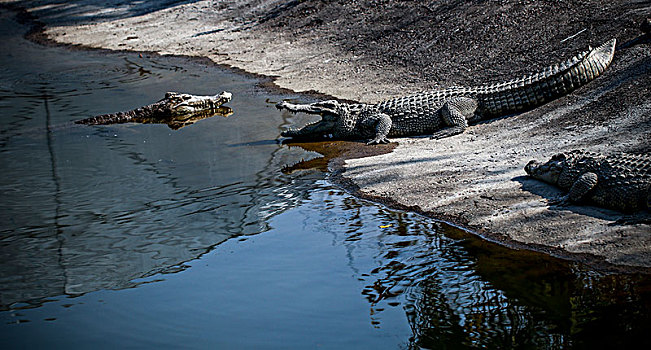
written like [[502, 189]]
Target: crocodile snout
[[529, 168]]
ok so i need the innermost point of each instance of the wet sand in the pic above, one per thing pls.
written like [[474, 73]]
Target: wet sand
[[368, 52]]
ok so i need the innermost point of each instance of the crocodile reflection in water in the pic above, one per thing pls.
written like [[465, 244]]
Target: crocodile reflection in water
[[330, 150]]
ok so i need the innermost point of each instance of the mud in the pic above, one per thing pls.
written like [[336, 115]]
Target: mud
[[371, 50]]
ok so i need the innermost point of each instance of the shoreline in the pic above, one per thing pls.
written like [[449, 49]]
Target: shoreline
[[499, 211], [595, 262]]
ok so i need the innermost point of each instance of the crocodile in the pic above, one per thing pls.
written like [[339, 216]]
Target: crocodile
[[447, 112], [619, 181], [175, 109]]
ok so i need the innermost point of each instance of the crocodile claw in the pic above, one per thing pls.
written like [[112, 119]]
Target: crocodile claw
[[562, 201], [378, 140], [447, 133]]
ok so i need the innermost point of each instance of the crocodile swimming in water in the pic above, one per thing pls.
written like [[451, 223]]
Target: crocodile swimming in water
[[621, 181], [447, 112], [175, 109]]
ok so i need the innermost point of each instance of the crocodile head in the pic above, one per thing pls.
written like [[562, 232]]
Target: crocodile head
[[549, 171], [184, 104], [337, 120]]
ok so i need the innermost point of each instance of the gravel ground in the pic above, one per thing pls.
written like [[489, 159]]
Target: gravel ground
[[372, 50]]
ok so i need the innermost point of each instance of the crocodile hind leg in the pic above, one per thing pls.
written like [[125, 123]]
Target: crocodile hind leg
[[379, 125], [455, 114]]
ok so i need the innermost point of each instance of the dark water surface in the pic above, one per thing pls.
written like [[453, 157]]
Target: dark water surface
[[140, 236]]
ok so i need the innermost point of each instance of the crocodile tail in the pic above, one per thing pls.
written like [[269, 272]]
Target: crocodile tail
[[111, 118], [533, 90]]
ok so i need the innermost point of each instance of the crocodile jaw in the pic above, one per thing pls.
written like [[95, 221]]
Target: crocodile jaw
[[322, 129], [185, 104], [322, 108]]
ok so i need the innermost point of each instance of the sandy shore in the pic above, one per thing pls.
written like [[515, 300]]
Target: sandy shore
[[368, 51]]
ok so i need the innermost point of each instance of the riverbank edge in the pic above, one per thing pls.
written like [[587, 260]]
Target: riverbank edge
[[337, 170]]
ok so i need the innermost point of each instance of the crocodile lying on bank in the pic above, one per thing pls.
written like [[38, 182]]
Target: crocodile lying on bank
[[175, 109], [621, 181], [447, 112]]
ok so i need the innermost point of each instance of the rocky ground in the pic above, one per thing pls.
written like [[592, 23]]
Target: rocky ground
[[371, 50]]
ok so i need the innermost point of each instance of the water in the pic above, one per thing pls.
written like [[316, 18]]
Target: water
[[140, 235]]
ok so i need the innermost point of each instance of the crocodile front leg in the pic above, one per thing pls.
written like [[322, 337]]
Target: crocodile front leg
[[584, 184], [380, 125], [580, 188], [455, 114]]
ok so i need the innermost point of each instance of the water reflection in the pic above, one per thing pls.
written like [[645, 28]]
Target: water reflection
[[557, 312], [458, 291], [96, 243], [320, 154]]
